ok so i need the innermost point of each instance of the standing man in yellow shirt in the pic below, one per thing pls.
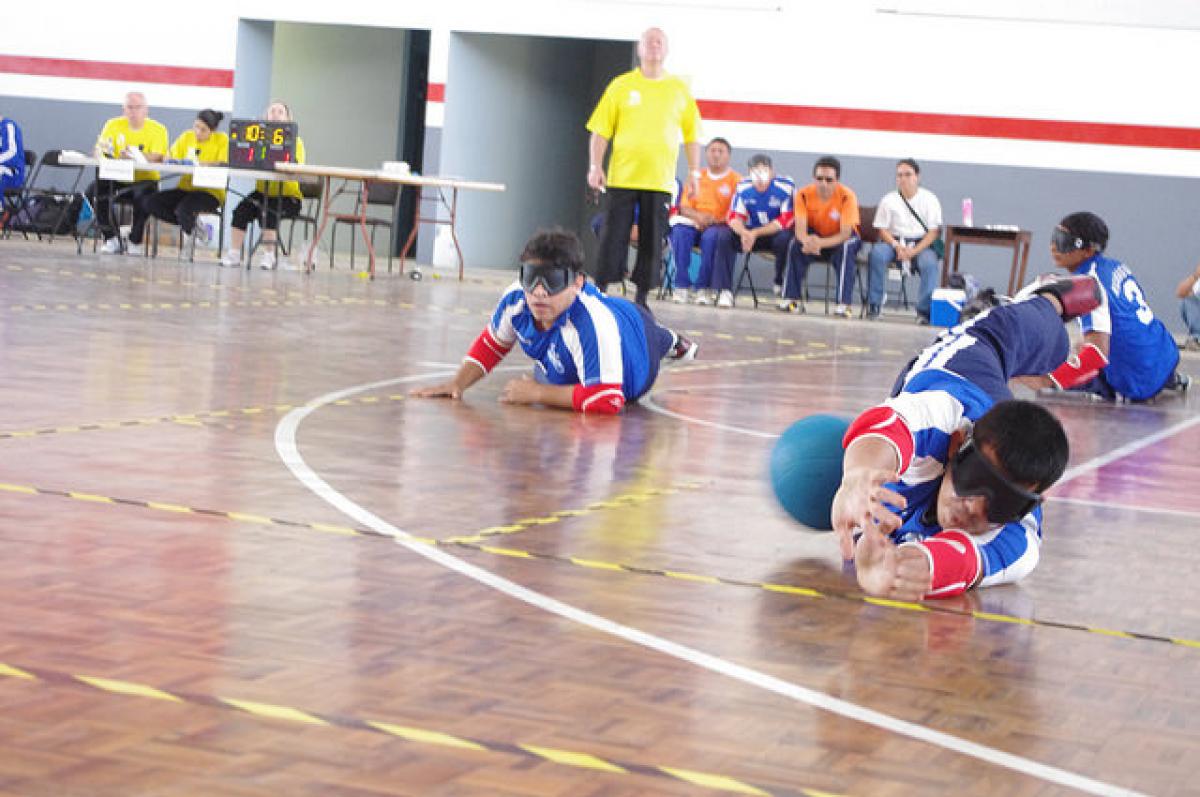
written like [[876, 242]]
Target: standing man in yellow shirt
[[132, 135], [644, 113]]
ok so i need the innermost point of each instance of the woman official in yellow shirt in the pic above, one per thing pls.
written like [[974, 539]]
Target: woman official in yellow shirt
[[283, 200], [202, 144]]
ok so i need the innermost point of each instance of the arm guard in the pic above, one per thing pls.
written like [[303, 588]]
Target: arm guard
[[486, 351], [954, 563], [1079, 368], [598, 399]]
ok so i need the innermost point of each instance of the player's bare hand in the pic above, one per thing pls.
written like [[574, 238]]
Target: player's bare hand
[[914, 577], [861, 502], [449, 390], [523, 390], [888, 571]]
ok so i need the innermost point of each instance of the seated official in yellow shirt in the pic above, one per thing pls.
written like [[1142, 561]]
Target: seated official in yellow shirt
[[203, 144], [271, 201], [131, 136]]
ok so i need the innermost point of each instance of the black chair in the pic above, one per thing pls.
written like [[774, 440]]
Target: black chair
[[379, 194], [45, 209], [10, 201]]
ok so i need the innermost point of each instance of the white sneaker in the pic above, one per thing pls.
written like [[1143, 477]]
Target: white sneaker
[[134, 249], [231, 259], [680, 296], [842, 311], [725, 299], [268, 261], [287, 265], [703, 297], [111, 246]]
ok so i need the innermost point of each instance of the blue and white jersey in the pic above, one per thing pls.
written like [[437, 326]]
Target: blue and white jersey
[[598, 340], [934, 404], [12, 155], [947, 388], [1142, 354], [759, 208]]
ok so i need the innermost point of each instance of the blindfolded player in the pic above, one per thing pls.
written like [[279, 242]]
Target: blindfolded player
[[943, 481], [592, 353]]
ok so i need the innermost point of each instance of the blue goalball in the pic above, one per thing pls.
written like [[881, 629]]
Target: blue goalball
[[806, 468]]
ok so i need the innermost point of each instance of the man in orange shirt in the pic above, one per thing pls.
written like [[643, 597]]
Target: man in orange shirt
[[826, 229], [701, 218]]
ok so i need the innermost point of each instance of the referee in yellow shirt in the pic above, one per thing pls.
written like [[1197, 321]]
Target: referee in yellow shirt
[[644, 113]]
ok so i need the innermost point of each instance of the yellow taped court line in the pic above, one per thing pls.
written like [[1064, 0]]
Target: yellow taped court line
[[127, 688], [573, 759], [470, 542], [568, 758]]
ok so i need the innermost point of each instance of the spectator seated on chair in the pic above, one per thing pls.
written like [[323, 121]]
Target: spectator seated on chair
[[826, 229], [760, 220], [701, 219], [12, 156], [131, 136], [269, 202], [909, 221], [1188, 291], [203, 144]]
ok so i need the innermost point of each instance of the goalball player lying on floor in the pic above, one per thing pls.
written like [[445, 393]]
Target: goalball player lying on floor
[[943, 481], [592, 353]]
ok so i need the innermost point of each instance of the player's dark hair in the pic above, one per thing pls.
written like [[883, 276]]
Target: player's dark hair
[[212, 119], [910, 163], [556, 245], [1088, 226], [831, 162], [760, 159], [1028, 441], [719, 140]]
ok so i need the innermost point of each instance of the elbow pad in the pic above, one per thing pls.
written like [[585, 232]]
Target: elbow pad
[[486, 351], [885, 422], [1079, 368], [954, 563], [598, 399]]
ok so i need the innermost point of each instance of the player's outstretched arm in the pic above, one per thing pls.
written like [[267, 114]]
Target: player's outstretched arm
[[861, 501]]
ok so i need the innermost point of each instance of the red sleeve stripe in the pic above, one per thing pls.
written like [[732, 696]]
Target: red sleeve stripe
[[603, 399], [486, 351], [886, 423]]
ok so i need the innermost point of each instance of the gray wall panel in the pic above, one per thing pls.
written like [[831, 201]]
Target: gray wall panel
[[1144, 214]]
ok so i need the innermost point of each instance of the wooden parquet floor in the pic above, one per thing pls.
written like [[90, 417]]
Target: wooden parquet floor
[[185, 612]]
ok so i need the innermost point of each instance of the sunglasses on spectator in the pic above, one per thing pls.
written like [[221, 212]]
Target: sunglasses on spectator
[[554, 278], [826, 179]]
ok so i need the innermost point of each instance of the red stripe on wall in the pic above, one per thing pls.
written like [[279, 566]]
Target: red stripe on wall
[[114, 70], [953, 125]]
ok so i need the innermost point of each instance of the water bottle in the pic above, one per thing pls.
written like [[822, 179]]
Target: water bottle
[[905, 265], [968, 212]]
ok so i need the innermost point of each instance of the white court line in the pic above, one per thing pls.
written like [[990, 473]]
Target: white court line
[[648, 402], [1125, 450], [1058, 499], [289, 452]]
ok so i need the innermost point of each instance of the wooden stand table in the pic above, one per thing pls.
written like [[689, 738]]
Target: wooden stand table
[[1019, 241]]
